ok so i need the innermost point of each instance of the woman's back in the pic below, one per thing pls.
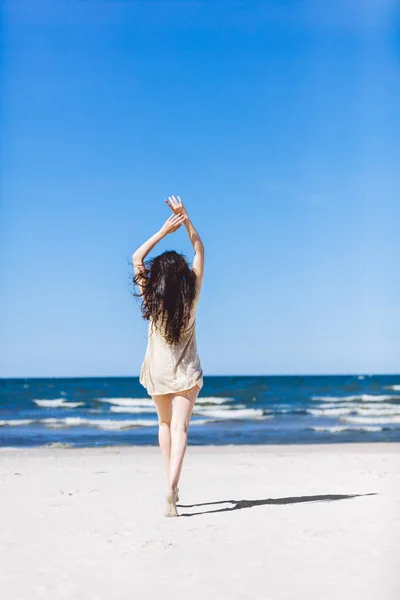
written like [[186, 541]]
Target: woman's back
[[169, 368]]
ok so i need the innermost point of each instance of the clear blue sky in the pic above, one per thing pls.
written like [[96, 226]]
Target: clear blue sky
[[276, 122]]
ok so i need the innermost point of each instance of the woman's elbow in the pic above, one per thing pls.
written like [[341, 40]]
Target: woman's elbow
[[136, 259], [199, 246]]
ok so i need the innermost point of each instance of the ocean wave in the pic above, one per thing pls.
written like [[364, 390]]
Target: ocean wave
[[378, 412], [112, 424], [224, 407], [105, 424], [132, 409], [356, 405], [58, 445], [396, 387], [394, 419], [16, 422], [149, 401], [58, 403], [363, 397], [212, 400], [246, 413], [339, 429], [329, 412], [128, 401], [372, 410]]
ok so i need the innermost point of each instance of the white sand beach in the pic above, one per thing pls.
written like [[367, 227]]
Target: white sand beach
[[256, 522]]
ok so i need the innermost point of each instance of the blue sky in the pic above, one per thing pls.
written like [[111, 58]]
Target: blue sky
[[276, 122]]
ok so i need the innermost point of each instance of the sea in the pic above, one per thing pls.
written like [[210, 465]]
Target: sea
[[114, 411]]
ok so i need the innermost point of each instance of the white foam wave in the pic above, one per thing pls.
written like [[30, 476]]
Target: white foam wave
[[16, 422], [358, 409], [58, 445], [112, 424], [329, 412], [149, 402], [357, 405], [396, 387], [212, 400], [132, 409], [58, 403], [373, 420], [67, 422], [363, 397], [106, 424], [339, 428], [128, 401], [224, 407], [246, 413], [379, 412], [123, 424]]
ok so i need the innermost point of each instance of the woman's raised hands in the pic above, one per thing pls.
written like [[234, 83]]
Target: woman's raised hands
[[173, 223], [176, 205]]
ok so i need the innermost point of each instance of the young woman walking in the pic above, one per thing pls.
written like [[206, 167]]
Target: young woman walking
[[171, 370]]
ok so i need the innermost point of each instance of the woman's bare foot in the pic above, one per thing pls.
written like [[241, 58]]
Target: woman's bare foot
[[170, 506]]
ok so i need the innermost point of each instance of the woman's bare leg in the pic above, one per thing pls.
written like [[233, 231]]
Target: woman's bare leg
[[183, 404], [164, 411]]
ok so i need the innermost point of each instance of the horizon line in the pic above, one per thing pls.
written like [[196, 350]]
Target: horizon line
[[210, 375]]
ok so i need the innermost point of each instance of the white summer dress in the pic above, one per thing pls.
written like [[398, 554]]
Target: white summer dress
[[172, 368]]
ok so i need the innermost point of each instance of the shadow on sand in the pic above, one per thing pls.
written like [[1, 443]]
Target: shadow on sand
[[239, 504]]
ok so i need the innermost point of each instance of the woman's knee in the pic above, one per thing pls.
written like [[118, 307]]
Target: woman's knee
[[179, 424]]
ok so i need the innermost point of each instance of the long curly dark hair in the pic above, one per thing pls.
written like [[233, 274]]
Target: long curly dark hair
[[169, 288]]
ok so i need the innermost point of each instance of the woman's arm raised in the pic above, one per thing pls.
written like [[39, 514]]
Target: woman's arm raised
[[176, 205], [171, 224]]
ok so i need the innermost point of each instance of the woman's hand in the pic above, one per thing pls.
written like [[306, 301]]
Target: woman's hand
[[172, 223], [176, 205]]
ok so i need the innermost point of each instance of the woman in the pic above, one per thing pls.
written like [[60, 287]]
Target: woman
[[171, 371]]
